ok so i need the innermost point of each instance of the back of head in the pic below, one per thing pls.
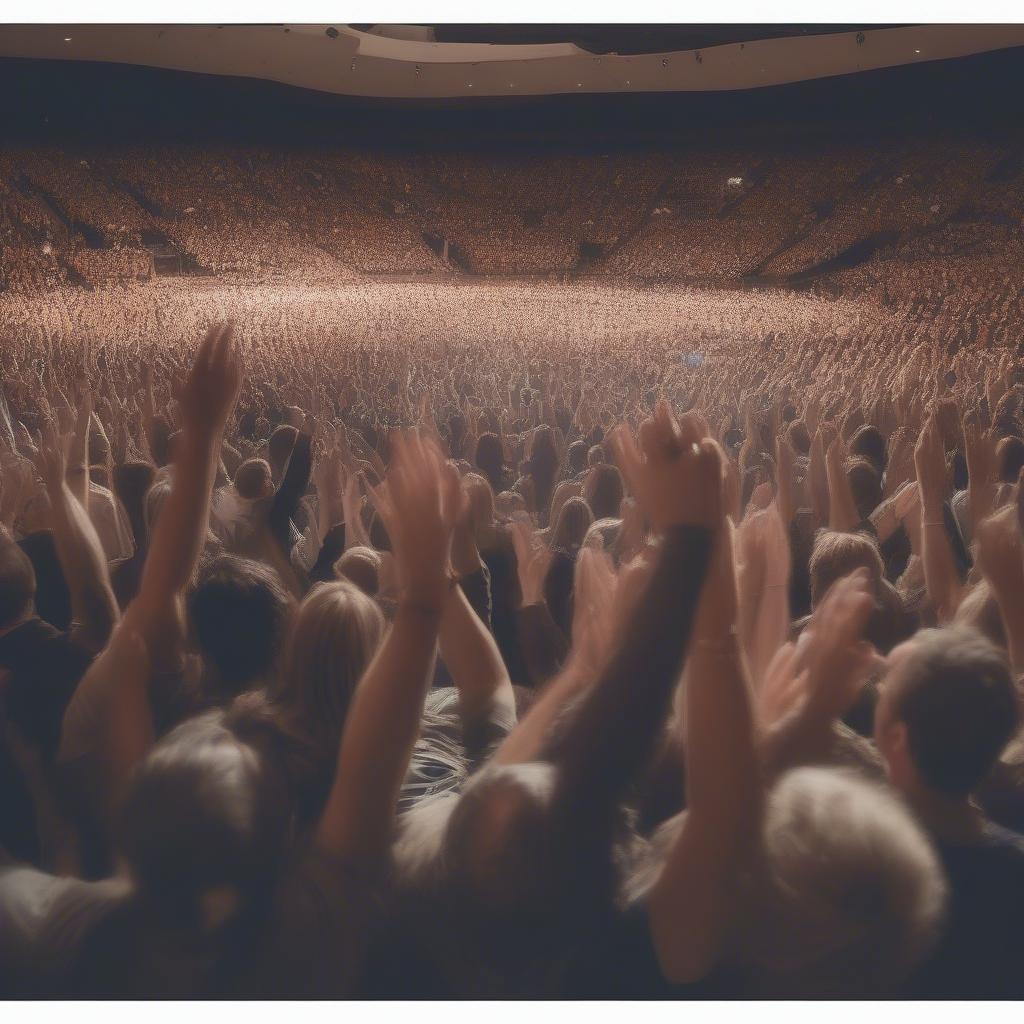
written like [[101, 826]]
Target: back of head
[[481, 499], [838, 554], [502, 877], [604, 491], [574, 519], [490, 457], [865, 485], [1009, 459], [799, 438], [53, 599], [335, 634], [953, 691], [360, 566], [850, 893], [254, 479], [203, 825], [239, 613], [577, 457], [868, 443], [132, 481], [17, 584]]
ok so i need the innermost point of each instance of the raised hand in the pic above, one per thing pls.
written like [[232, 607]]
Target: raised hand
[[837, 658], [214, 382], [674, 473], [932, 473], [419, 503]]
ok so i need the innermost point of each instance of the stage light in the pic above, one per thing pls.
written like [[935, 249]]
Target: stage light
[[67, 39]]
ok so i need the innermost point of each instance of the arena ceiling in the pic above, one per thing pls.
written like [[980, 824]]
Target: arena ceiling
[[443, 62]]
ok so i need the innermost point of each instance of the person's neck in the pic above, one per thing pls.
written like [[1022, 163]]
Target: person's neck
[[953, 819]]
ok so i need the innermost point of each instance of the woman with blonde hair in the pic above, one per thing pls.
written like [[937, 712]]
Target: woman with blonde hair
[[334, 636]]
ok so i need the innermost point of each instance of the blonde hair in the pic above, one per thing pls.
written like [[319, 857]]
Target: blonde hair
[[335, 634]]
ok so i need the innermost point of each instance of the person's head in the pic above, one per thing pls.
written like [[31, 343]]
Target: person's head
[[596, 455], [17, 585], [799, 438], [577, 457], [868, 443], [239, 613], [509, 504], [1009, 459], [849, 895], [53, 599], [360, 566], [603, 491], [490, 458], [279, 449], [947, 709], [542, 457], [132, 481], [865, 485], [335, 633], [481, 500], [836, 554], [203, 826], [254, 479], [574, 519]]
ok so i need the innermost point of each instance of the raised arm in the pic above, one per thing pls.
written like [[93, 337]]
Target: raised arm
[[93, 605], [289, 494], [206, 401], [691, 905], [418, 505], [941, 579], [677, 481], [1001, 559]]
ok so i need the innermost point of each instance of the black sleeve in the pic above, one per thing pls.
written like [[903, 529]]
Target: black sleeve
[[543, 645], [289, 494], [609, 738]]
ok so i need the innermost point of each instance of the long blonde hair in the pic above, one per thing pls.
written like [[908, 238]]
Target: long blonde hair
[[335, 634]]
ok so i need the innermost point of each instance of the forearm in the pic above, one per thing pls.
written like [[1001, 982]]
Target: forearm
[[630, 698], [85, 568], [543, 645], [181, 526], [690, 907], [940, 573], [473, 659], [289, 494], [381, 729]]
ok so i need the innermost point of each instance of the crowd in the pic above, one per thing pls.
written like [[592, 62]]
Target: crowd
[[709, 215], [495, 641]]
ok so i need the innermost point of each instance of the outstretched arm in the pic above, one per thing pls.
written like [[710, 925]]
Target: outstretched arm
[[679, 486], [418, 505], [941, 579], [206, 402], [691, 905], [93, 604]]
